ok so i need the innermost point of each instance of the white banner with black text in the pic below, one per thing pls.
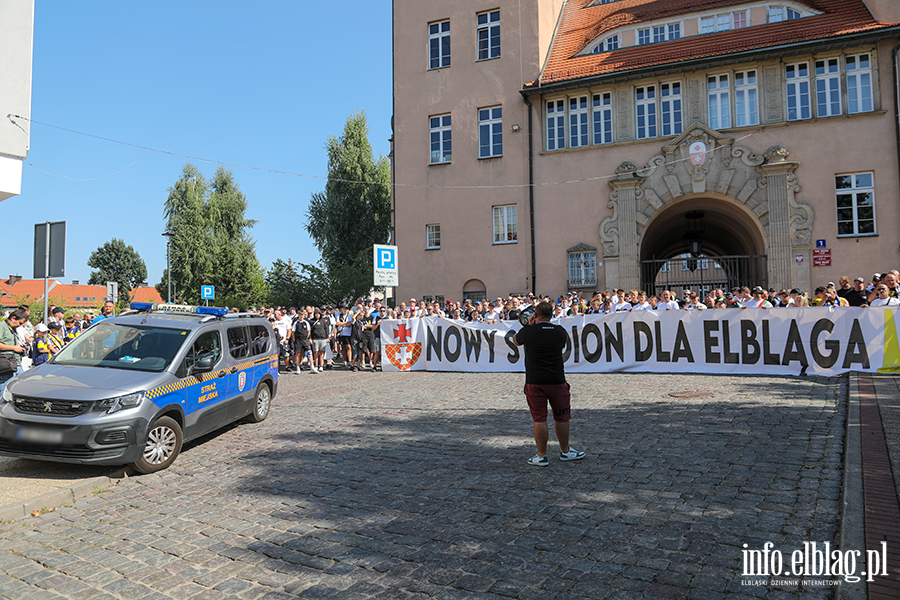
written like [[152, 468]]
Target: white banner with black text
[[794, 341]]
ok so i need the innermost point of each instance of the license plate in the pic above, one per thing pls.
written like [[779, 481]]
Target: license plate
[[42, 436]]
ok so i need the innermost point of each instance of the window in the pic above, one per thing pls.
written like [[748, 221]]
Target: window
[[439, 45], [674, 30], [855, 204], [490, 132], [797, 79], [427, 299], [207, 347], [556, 124], [489, 35], [433, 237], [259, 339], [583, 269], [643, 36], [828, 88], [859, 83], [692, 263], [439, 300], [740, 19], [670, 108], [782, 13], [440, 139], [746, 101], [666, 267], [505, 227], [719, 101], [237, 342], [708, 25], [645, 107], [602, 118], [612, 42], [724, 22], [578, 121]]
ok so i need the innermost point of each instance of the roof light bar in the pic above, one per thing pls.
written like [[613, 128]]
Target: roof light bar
[[184, 309]]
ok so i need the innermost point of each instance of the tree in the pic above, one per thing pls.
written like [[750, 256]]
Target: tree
[[210, 241], [350, 216], [116, 261]]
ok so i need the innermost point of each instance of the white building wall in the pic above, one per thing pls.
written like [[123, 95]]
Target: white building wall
[[16, 41]]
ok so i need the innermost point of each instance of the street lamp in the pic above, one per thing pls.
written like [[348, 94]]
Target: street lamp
[[168, 235]]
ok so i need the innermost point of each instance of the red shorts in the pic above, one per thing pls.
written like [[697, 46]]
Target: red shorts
[[558, 396]]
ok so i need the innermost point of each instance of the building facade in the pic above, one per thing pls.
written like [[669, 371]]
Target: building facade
[[581, 145], [16, 40]]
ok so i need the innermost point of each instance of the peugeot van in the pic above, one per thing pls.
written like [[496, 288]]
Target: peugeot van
[[133, 388]]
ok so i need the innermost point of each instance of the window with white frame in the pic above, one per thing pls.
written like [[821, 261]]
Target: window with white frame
[[645, 111], [776, 14], [583, 269], [506, 230], [697, 263], [488, 35], [670, 108], [578, 121], [427, 299], [746, 99], [740, 19], [441, 142], [859, 83], [828, 88], [490, 132], [797, 88], [718, 93], [673, 31], [666, 267], [439, 45], [643, 36], [855, 195], [602, 114], [612, 42], [433, 236], [556, 124], [439, 300], [725, 21]]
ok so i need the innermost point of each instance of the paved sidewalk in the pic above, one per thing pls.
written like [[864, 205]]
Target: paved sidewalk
[[414, 485]]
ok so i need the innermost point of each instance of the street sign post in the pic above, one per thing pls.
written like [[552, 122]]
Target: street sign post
[[385, 265], [49, 254], [112, 291], [207, 292]]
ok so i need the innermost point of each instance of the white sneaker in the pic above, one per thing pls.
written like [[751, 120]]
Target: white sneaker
[[313, 370], [572, 454]]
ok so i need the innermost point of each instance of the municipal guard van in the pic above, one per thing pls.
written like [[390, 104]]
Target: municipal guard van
[[133, 388]]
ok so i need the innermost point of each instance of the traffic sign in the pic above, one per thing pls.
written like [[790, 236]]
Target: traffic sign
[[385, 265], [112, 291], [207, 292]]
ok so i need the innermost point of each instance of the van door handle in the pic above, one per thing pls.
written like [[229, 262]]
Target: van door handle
[[221, 374], [233, 370]]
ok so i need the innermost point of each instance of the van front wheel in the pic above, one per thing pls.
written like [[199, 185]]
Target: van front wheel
[[163, 443]]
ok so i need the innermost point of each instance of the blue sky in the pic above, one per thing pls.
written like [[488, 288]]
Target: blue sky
[[256, 84]]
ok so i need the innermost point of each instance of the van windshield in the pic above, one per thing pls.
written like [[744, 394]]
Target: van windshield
[[120, 346]]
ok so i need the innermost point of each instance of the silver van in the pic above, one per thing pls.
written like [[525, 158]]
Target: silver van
[[133, 388]]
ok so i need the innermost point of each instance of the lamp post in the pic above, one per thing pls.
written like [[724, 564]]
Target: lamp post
[[168, 235]]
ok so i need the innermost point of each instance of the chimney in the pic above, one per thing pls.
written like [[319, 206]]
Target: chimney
[[13, 279], [143, 284], [74, 282]]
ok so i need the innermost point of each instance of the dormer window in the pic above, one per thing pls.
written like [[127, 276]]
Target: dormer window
[[777, 14]]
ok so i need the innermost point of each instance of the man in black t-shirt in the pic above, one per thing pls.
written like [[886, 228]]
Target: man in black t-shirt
[[545, 380]]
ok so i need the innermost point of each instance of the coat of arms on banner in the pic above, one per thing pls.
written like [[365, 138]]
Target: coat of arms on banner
[[404, 354]]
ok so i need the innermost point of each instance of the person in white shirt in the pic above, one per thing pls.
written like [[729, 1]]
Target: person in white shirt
[[666, 302], [642, 303], [884, 298], [694, 303], [620, 304], [758, 300]]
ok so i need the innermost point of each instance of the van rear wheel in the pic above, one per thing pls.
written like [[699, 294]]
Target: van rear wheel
[[261, 403], [163, 443]]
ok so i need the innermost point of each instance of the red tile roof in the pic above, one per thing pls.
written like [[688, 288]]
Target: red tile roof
[[72, 296], [582, 23]]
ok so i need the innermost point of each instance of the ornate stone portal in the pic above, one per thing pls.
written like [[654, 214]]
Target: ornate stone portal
[[702, 162]]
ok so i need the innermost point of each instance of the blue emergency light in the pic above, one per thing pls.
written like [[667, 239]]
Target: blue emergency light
[[185, 309]]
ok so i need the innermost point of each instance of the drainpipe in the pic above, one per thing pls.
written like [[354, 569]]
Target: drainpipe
[[896, 101], [531, 196]]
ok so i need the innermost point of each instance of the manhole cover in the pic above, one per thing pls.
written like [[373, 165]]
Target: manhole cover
[[689, 394]]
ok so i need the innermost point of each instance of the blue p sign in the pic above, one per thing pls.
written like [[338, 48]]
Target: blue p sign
[[208, 292], [387, 258]]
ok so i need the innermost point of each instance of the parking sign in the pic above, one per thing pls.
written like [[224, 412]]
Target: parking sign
[[385, 265], [207, 292]]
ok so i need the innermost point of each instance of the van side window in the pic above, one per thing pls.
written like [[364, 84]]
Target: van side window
[[259, 340], [208, 344], [237, 342]]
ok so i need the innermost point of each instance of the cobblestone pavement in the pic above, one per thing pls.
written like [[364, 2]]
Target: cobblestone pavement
[[415, 485]]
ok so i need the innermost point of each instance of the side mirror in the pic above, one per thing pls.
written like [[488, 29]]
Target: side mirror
[[204, 364]]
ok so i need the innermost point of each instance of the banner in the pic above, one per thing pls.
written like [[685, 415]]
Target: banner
[[791, 341]]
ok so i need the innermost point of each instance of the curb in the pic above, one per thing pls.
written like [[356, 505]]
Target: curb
[[60, 497], [852, 529]]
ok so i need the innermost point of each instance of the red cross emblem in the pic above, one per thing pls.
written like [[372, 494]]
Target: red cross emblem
[[402, 333]]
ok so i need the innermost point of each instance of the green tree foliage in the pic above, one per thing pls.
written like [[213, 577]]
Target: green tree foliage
[[211, 244], [116, 261], [349, 217]]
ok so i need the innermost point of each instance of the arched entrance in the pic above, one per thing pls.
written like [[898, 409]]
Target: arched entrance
[[702, 243], [748, 203]]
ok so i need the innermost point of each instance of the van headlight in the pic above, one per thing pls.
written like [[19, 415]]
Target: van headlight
[[7, 396], [111, 405]]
